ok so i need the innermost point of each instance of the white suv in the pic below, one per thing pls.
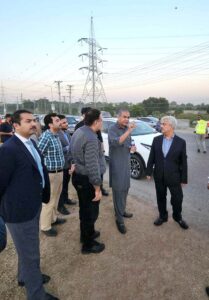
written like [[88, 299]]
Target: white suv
[[143, 136]]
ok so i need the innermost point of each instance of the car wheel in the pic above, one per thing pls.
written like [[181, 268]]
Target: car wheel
[[137, 167]]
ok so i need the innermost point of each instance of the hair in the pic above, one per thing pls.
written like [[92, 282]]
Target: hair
[[16, 117], [171, 120], [48, 119], [121, 110], [91, 116], [61, 117], [84, 110], [8, 116]]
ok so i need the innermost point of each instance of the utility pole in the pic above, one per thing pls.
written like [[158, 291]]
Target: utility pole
[[70, 98], [3, 99], [59, 93], [93, 89], [17, 103]]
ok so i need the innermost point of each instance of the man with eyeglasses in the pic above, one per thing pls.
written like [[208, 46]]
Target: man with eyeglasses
[[169, 159]]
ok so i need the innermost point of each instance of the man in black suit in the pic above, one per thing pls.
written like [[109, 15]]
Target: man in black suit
[[3, 235], [24, 184], [168, 156]]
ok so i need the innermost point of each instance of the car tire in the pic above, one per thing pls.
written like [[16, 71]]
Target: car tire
[[137, 167]]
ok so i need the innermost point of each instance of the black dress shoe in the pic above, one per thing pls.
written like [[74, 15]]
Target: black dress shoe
[[45, 279], [121, 227], [70, 202], [127, 215], [159, 221], [63, 210], [95, 235], [50, 297], [207, 290], [182, 224], [50, 232], [95, 248], [59, 221], [104, 192]]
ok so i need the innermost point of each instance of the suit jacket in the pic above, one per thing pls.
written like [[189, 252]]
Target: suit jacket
[[66, 147], [172, 168], [21, 191]]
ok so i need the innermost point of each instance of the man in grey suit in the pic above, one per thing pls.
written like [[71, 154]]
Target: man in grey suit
[[24, 185], [65, 137], [119, 137]]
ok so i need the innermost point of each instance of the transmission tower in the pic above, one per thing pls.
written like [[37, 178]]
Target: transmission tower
[[93, 90]]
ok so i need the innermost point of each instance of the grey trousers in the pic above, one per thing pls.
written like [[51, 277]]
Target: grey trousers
[[119, 201], [200, 139], [25, 236]]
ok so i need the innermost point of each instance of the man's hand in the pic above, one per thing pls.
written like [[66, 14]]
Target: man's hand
[[183, 184], [131, 126], [72, 169], [149, 178], [98, 194], [133, 149]]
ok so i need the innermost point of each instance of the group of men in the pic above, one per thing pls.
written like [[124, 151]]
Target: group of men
[[34, 182]]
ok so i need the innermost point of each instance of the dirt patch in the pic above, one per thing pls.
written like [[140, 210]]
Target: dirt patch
[[147, 263]]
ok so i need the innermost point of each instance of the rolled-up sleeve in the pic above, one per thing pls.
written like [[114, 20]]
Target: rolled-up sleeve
[[113, 137]]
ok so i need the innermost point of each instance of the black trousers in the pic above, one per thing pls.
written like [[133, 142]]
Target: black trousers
[[65, 184], [88, 209], [176, 199]]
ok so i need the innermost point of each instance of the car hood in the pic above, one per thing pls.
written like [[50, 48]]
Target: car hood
[[145, 139]]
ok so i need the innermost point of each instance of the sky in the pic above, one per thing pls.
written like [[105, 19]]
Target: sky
[[154, 49]]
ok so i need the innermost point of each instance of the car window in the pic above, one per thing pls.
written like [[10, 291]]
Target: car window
[[106, 125], [142, 128], [71, 120]]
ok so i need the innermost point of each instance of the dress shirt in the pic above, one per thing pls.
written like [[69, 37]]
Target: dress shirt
[[166, 145], [51, 148]]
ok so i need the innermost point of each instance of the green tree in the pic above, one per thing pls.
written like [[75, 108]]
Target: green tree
[[156, 104]]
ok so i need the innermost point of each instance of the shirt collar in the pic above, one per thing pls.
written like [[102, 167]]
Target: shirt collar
[[22, 138], [171, 138]]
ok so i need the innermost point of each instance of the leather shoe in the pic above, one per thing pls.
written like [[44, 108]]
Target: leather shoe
[[207, 290], [59, 221], [127, 215], [104, 192], [70, 202], [95, 248], [95, 235], [159, 221], [45, 279], [121, 227], [50, 232], [182, 224], [63, 210], [50, 297]]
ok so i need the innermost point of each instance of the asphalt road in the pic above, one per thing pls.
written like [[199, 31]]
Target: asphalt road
[[196, 195]]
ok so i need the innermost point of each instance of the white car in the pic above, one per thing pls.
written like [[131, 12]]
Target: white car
[[143, 136]]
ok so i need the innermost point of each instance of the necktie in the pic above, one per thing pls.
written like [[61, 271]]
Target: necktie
[[37, 160]]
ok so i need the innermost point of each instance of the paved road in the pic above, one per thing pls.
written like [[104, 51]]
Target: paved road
[[196, 195]]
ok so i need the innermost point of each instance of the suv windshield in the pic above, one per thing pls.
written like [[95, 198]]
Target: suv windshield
[[142, 128]]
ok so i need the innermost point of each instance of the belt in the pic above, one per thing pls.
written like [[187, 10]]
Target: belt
[[56, 171]]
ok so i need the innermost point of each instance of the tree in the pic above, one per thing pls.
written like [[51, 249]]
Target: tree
[[156, 104]]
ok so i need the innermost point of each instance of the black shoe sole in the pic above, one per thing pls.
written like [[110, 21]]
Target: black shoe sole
[[91, 251]]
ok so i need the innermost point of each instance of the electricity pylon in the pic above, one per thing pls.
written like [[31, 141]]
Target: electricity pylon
[[93, 90]]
